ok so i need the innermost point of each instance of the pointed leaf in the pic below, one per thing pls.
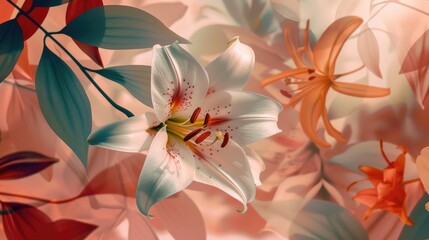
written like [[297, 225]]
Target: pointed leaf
[[421, 219], [368, 50], [70, 229], [11, 45], [22, 164], [74, 9], [64, 103], [120, 27], [121, 178], [418, 55], [22, 222], [49, 3], [38, 14], [135, 78], [325, 220]]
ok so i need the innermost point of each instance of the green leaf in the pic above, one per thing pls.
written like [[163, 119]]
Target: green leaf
[[135, 78], [325, 220], [64, 103], [420, 217], [11, 45], [49, 3], [120, 27]]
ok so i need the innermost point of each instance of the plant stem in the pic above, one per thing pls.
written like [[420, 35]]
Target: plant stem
[[81, 67], [40, 199]]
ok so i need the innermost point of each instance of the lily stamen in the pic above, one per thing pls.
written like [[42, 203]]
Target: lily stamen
[[202, 137], [192, 134], [195, 115], [225, 140], [206, 120]]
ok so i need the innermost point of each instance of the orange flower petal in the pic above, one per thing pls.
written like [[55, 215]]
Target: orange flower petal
[[311, 110], [306, 42], [359, 90], [283, 75], [367, 197], [329, 128], [291, 49], [330, 43], [374, 175]]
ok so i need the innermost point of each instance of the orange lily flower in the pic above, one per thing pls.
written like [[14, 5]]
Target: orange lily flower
[[314, 76], [388, 192]]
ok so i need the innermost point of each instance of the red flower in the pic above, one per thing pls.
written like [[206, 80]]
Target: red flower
[[388, 193]]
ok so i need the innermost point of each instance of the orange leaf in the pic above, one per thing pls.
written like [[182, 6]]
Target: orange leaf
[[74, 9], [6, 10]]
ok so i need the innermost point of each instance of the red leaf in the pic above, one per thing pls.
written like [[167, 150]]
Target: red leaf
[[38, 14], [22, 164], [74, 9], [121, 178], [71, 229], [418, 55], [23, 222]]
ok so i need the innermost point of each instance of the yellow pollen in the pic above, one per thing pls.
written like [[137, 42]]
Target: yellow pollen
[[218, 135]]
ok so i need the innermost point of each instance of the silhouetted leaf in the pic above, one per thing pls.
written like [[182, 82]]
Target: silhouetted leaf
[[11, 45], [418, 55], [22, 164], [325, 220], [72, 230], [420, 217], [120, 27], [76, 8], [135, 78], [22, 222], [38, 14], [49, 3], [64, 103], [368, 50], [121, 178]]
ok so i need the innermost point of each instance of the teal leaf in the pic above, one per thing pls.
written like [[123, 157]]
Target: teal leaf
[[11, 45], [64, 103], [325, 220], [49, 3], [135, 78], [420, 217], [120, 27]]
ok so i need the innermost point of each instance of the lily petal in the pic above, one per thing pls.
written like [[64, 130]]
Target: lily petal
[[331, 42], [311, 110], [128, 135], [179, 82], [374, 175], [247, 117], [232, 69], [257, 165], [360, 90], [169, 168], [228, 170]]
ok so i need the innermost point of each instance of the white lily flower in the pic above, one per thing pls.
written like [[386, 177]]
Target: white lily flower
[[199, 127]]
